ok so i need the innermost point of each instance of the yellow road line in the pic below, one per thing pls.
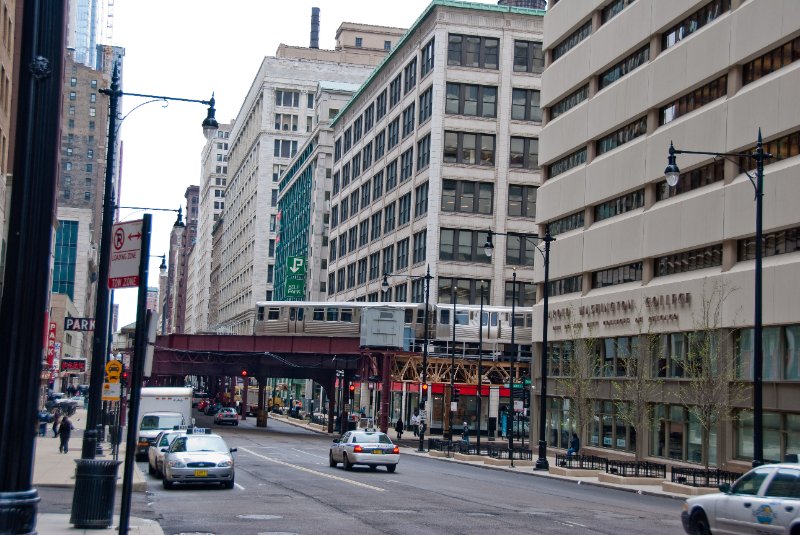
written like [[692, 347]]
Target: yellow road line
[[315, 472]]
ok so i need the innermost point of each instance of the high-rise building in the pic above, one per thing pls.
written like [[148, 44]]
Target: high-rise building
[[8, 17], [437, 148], [90, 23], [643, 273], [214, 180], [182, 240], [276, 118]]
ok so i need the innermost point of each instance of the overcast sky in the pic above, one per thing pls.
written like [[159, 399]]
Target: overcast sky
[[187, 49]]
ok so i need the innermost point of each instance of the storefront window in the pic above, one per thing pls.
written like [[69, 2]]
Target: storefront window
[[775, 425]]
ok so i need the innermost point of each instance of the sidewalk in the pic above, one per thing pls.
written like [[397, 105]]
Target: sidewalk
[[409, 446], [54, 469]]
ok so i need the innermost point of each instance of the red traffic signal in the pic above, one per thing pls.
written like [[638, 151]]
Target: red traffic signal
[[424, 387], [244, 373], [352, 388]]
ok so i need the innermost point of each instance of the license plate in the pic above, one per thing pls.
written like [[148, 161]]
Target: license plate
[[377, 452], [200, 473]]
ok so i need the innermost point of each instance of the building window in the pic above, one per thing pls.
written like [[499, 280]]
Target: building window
[[425, 105], [73, 81], [380, 144], [402, 254], [73, 95], [421, 200], [617, 275], [332, 281], [285, 148], [389, 219], [427, 58], [401, 292], [467, 197], [351, 275], [525, 296], [472, 100], [337, 150], [369, 114], [363, 231], [635, 60], [620, 205], [359, 42], [271, 246], [473, 51], [388, 259], [606, 430], [366, 155], [420, 246], [290, 99], [521, 201], [410, 76], [690, 180], [339, 281], [285, 122], [355, 164], [87, 195], [528, 57], [404, 211], [462, 291], [387, 45], [344, 211], [334, 217], [572, 40], [625, 134], [391, 175], [566, 285], [376, 225], [569, 102], [380, 105], [676, 434], [693, 100], [377, 186], [467, 148], [770, 62], [365, 194], [394, 91], [613, 9], [520, 250], [345, 174], [332, 250], [394, 133], [462, 245], [407, 164], [567, 162], [781, 349], [423, 152], [525, 105], [702, 258], [694, 22], [408, 120], [773, 243], [342, 244], [362, 271], [374, 266], [775, 426], [524, 153], [357, 129], [336, 182]]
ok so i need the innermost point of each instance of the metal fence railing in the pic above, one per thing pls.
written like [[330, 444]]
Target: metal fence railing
[[319, 419], [501, 451], [701, 477], [582, 462], [637, 469]]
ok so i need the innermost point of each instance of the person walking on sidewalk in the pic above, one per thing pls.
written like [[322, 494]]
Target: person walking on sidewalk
[[465, 432], [64, 431], [415, 423], [399, 427], [56, 421]]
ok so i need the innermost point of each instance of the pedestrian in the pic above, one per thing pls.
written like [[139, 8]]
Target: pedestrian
[[415, 423], [399, 428], [64, 431], [465, 432], [43, 417], [56, 421], [574, 446]]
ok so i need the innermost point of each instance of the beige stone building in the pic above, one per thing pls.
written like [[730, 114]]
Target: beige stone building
[[636, 262]]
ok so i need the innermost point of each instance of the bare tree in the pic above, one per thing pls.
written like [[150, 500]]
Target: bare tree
[[711, 386], [635, 389], [581, 367]]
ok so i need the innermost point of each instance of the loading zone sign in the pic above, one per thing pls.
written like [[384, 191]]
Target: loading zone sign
[[126, 249], [296, 277]]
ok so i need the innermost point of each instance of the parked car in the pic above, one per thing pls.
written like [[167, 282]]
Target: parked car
[[199, 458], [764, 500], [371, 448], [211, 409], [202, 404], [226, 415], [156, 451]]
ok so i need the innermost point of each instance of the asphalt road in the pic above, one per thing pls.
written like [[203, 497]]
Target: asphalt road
[[284, 485]]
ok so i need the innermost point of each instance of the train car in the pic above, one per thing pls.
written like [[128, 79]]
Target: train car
[[327, 318], [495, 324]]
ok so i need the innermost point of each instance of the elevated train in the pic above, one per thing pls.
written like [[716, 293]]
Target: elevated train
[[343, 319]]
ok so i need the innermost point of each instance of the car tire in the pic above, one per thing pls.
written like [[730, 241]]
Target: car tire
[[236, 424], [346, 463], [150, 469], [331, 462], [391, 468], [698, 524], [228, 484], [372, 467], [166, 484]]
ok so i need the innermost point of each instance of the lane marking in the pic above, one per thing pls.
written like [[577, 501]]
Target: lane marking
[[238, 486], [314, 472]]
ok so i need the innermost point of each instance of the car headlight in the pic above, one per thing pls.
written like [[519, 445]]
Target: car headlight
[[175, 463], [225, 464]]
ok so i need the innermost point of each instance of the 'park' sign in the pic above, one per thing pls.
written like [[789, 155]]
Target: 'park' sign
[[78, 324]]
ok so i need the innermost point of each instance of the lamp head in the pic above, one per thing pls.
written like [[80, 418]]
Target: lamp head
[[179, 221], [163, 267], [385, 283], [210, 124], [488, 247], [672, 173]]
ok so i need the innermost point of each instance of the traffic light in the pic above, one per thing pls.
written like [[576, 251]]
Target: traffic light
[[456, 394], [424, 388], [244, 373], [352, 388], [526, 396], [123, 378]]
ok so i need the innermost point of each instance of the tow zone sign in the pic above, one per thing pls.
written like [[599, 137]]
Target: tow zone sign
[[126, 250]]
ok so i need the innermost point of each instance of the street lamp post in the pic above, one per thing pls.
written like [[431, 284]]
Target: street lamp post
[[452, 371], [541, 462], [672, 174], [511, 411], [480, 374], [424, 395]]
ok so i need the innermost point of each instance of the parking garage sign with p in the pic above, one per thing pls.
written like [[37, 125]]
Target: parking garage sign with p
[[295, 277]]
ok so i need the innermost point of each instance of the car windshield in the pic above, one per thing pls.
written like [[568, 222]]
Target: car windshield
[[199, 443], [153, 421], [369, 438]]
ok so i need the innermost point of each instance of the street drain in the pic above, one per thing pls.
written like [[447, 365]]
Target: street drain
[[259, 517]]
